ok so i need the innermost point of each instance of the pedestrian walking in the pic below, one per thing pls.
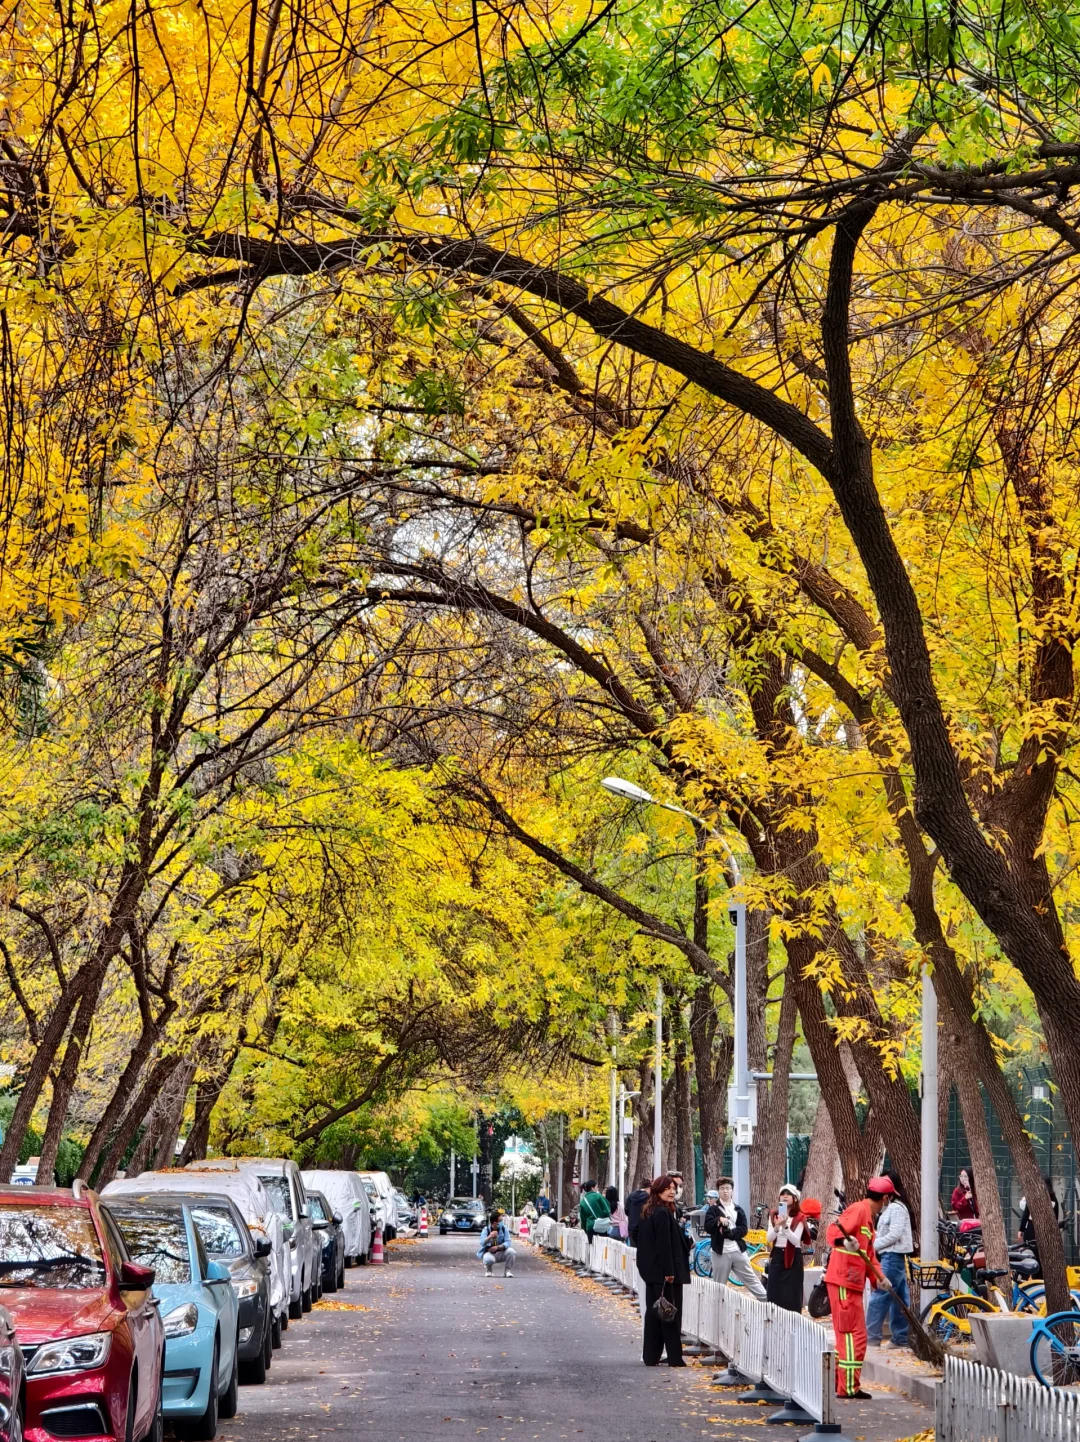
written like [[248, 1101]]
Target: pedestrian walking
[[725, 1226], [787, 1228], [663, 1266], [892, 1246], [496, 1245], [592, 1208], [851, 1263], [963, 1201], [618, 1216]]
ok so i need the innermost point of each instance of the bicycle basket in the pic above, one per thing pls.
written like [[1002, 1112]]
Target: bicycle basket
[[933, 1276], [755, 1237]]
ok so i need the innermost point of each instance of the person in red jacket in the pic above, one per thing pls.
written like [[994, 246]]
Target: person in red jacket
[[851, 1263]]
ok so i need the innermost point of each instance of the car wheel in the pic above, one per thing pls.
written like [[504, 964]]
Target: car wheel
[[230, 1398], [204, 1428], [268, 1345], [361, 1258], [341, 1276], [253, 1371], [275, 1333], [330, 1284], [305, 1298], [296, 1309], [16, 1425]]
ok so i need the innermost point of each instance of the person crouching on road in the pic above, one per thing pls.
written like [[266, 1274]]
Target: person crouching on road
[[725, 1225], [851, 1264], [663, 1267], [496, 1245], [787, 1227]]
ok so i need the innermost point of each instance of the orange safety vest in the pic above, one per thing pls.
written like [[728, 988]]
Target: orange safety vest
[[846, 1268]]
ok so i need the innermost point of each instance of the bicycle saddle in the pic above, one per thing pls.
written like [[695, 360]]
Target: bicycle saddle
[[1028, 1266], [985, 1274]]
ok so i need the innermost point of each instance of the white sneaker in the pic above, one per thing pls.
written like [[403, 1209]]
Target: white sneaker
[[508, 1274]]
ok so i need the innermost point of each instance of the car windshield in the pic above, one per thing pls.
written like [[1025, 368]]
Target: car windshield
[[466, 1204], [158, 1240], [371, 1189], [49, 1247], [220, 1234], [278, 1187], [318, 1211]]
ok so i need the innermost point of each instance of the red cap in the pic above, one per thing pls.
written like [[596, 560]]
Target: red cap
[[881, 1187], [811, 1207]]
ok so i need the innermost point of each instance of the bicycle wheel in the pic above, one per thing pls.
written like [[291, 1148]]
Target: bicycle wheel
[[948, 1319], [703, 1258], [1030, 1298], [1055, 1349], [759, 1259]]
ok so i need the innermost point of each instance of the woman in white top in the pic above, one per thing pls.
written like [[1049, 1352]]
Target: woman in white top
[[892, 1246], [784, 1284]]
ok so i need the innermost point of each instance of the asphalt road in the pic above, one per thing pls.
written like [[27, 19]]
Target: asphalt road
[[427, 1349]]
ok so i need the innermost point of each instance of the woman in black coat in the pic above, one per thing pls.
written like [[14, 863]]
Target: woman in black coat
[[663, 1266]]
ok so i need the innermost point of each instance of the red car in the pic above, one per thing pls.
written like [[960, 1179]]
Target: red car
[[92, 1340]]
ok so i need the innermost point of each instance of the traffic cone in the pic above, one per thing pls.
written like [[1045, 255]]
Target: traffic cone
[[523, 1228], [423, 1221], [376, 1250]]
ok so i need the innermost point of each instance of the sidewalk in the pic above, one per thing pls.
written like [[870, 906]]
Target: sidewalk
[[895, 1412]]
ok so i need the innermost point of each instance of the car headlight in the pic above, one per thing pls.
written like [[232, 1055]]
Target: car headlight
[[181, 1321], [245, 1287], [73, 1354]]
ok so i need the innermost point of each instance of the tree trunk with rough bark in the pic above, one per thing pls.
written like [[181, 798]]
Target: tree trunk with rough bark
[[64, 1084], [684, 1124], [768, 1160]]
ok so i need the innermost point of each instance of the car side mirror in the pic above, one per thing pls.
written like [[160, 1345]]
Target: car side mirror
[[319, 1226], [263, 1248], [217, 1272], [136, 1278], [337, 1219]]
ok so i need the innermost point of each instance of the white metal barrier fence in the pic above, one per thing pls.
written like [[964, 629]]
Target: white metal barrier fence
[[979, 1404], [789, 1352]]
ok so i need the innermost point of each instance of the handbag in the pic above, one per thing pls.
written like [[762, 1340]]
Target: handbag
[[817, 1304], [664, 1308], [602, 1227]]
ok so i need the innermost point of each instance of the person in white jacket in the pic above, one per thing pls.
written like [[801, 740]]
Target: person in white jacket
[[892, 1246]]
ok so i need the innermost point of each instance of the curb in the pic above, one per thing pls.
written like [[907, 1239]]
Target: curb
[[887, 1374]]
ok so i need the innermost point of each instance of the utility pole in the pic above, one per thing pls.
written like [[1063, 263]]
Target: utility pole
[[614, 1145], [928, 1234], [559, 1183], [658, 1084], [452, 1159], [742, 1123]]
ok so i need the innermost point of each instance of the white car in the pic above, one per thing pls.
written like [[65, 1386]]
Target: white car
[[282, 1180], [381, 1191], [256, 1207], [346, 1193]]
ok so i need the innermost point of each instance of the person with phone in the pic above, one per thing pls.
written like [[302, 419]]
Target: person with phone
[[725, 1226], [784, 1283]]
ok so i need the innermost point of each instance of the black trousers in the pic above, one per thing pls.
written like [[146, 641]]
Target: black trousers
[[659, 1335]]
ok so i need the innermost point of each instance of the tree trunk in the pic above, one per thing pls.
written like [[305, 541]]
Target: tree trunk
[[110, 1117], [40, 1068], [148, 1095], [207, 1094], [66, 1078], [768, 1160], [822, 1176], [995, 1239], [712, 1066], [487, 1159], [684, 1124], [171, 1117]]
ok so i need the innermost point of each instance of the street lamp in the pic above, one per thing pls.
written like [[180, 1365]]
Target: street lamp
[[740, 1108]]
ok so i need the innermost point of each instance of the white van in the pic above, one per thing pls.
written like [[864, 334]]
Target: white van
[[381, 1190], [346, 1193]]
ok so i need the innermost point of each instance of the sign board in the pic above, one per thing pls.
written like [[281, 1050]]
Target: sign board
[[732, 1108]]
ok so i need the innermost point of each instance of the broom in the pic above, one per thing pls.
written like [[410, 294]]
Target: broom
[[924, 1344]]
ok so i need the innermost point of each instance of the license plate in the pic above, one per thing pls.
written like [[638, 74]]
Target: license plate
[[464, 1223]]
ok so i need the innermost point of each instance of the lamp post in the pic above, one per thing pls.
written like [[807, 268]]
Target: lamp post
[[624, 1097], [740, 1100], [928, 1237]]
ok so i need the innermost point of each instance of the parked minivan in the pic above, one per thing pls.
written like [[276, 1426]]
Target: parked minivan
[[283, 1181], [346, 1193], [385, 1202]]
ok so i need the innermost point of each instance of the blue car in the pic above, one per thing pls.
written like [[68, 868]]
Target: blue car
[[198, 1308]]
